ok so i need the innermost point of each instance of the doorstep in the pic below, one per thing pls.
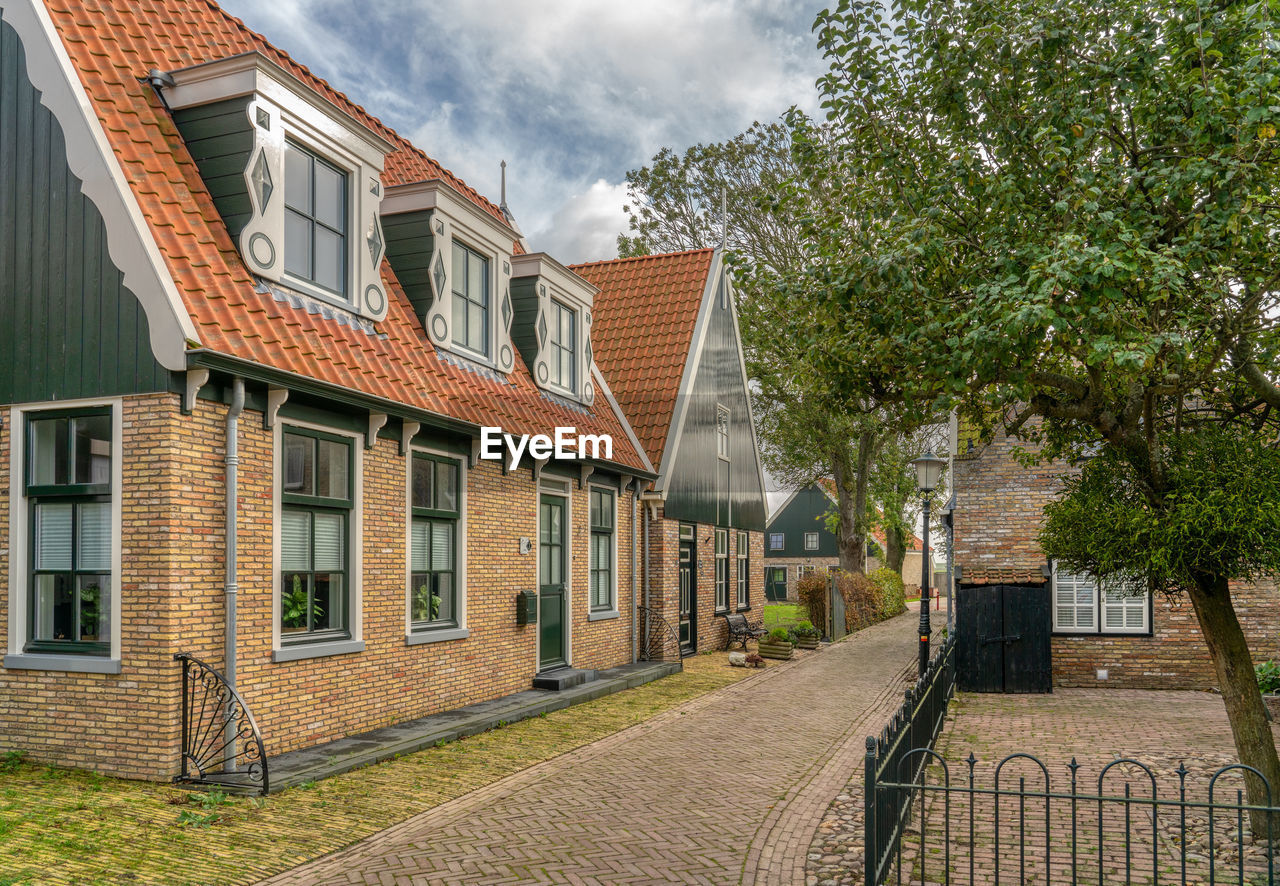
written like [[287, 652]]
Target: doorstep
[[345, 754]]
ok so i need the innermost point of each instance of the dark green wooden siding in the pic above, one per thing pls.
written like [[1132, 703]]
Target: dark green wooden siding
[[805, 513], [524, 307], [220, 139], [704, 488], [410, 243], [68, 326]]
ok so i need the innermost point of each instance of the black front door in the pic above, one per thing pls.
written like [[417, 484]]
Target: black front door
[[551, 582], [1002, 639], [688, 589]]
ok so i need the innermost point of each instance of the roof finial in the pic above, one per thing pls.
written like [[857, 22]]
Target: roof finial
[[503, 204], [506, 210]]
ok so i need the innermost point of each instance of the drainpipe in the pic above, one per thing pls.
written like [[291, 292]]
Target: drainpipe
[[635, 603], [233, 496], [644, 517], [231, 587]]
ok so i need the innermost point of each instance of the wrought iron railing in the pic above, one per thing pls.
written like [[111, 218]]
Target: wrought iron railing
[[658, 639], [221, 744], [915, 725], [1161, 832]]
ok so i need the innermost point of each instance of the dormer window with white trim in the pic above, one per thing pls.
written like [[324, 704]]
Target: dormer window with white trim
[[296, 179], [315, 220], [470, 292], [562, 347]]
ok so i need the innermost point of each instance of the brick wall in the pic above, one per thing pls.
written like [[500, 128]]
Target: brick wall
[[999, 511], [173, 543]]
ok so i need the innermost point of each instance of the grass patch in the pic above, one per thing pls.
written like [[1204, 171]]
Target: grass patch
[[783, 615], [65, 826]]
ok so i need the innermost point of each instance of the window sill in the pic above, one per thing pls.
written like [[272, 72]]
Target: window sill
[[76, 664], [436, 635], [317, 650], [1135, 634], [744, 608], [603, 615]]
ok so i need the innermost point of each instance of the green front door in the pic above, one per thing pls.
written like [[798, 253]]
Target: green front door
[[551, 581], [775, 583]]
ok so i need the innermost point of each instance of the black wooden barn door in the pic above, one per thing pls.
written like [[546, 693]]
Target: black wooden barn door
[[1002, 639]]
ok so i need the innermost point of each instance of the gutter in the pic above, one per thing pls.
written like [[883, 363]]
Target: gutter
[[635, 604], [231, 586]]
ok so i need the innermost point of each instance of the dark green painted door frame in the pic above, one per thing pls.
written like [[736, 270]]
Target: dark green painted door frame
[[775, 583], [689, 594], [552, 566]]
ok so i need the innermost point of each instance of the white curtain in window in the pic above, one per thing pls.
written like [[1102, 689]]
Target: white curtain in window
[[420, 542], [295, 541], [329, 544], [95, 537], [53, 536]]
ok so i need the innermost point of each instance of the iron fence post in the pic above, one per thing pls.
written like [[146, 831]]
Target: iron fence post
[[870, 850]]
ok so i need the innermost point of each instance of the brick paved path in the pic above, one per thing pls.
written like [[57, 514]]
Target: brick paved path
[[726, 789]]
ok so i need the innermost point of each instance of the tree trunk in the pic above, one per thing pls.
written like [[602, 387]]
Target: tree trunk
[[852, 477], [1238, 683], [895, 548]]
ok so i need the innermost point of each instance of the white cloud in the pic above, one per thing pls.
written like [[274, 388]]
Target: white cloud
[[572, 93]]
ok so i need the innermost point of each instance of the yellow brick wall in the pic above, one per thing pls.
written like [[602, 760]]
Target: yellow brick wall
[[173, 503]]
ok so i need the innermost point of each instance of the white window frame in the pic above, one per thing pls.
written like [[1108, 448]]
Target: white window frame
[[493, 259], [722, 570], [355, 549], [742, 566], [811, 537], [781, 538], [460, 631], [19, 544], [723, 420], [1097, 606], [554, 346], [610, 611]]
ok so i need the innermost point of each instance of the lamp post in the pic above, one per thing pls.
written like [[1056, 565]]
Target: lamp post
[[928, 473]]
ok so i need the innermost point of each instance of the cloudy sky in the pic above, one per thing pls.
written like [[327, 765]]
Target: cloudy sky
[[571, 93]]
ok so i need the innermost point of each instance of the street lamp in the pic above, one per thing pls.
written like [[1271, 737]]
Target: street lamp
[[928, 473]]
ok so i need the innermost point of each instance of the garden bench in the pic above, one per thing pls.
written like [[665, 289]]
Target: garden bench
[[740, 630]]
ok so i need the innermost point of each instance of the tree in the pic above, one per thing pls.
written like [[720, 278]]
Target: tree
[[1081, 207], [808, 427]]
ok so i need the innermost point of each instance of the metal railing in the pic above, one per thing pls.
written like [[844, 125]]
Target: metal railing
[[658, 639], [916, 725], [1155, 833], [221, 744]]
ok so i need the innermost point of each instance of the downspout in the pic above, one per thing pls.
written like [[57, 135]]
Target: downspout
[[635, 603], [648, 613], [232, 588]]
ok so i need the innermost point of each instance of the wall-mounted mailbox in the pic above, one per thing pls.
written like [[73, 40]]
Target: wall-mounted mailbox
[[526, 608]]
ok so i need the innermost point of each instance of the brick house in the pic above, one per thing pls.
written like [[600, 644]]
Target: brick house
[[249, 339], [797, 542], [668, 341], [1098, 638]]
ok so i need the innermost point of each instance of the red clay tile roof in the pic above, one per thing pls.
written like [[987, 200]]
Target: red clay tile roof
[[1002, 575], [642, 331], [113, 44]]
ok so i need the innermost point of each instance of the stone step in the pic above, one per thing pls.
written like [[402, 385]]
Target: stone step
[[563, 678]]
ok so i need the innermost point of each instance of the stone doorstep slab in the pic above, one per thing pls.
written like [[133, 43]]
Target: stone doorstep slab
[[353, 752]]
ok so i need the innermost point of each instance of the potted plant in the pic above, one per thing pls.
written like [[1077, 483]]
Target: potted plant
[[776, 644], [1269, 682], [806, 635]]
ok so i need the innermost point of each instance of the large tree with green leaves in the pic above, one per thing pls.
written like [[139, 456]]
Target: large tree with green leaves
[[750, 194], [1081, 225]]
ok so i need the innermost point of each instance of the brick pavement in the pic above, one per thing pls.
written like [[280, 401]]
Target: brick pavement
[[726, 789]]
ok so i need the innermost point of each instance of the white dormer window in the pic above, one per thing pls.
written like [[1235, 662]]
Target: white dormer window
[[315, 222], [297, 179], [722, 432], [470, 299], [562, 346]]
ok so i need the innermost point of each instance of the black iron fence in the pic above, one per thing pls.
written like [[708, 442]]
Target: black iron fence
[[221, 744], [658, 639], [894, 757], [1134, 823]]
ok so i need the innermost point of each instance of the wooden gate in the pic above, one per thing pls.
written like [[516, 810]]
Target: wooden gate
[[1002, 639]]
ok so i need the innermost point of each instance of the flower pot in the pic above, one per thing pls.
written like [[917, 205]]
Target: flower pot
[[775, 650], [807, 642]]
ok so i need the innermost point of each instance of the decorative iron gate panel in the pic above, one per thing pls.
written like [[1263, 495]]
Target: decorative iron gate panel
[[1002, 639]]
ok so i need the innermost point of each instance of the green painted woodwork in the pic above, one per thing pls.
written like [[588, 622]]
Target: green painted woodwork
[[68, 326], [524, 320], [220, 139], [703, 487], [806, 512], [410, 245], [552, 569]]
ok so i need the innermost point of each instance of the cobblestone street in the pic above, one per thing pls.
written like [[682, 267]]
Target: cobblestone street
[[727, 789]]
